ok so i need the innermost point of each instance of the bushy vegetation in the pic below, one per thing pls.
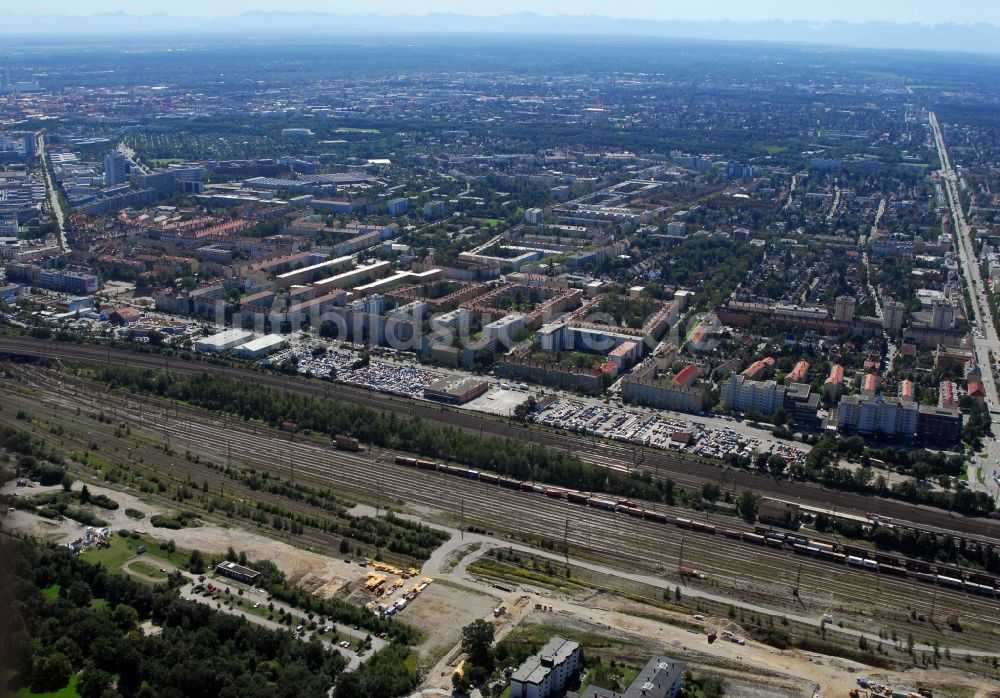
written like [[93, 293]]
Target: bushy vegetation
[[506, 456], [199, 652]]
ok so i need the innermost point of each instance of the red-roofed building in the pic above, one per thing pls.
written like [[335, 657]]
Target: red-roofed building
[[906, 389], [870, 384], [948, 394], [124, 316], [799, 373], [831, 388], [757, 366], [687, 375], [977, 391]]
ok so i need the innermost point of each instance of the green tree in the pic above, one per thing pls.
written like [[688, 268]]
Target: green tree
[[126, 617], [747, 504], [477, 642], [79, 594], [196, 563], [50, 672], [67, 482], [93, 682]]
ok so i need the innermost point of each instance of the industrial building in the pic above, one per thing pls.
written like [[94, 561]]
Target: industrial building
[[223, 341], [546, 673], [262, 346], [237, 572], [456, 391]]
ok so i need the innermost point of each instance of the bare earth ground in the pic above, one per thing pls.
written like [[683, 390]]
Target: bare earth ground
[[444, 608], [320, 574], [441, 611]]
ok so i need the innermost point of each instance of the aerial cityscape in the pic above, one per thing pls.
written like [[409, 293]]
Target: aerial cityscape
[[402, 355]]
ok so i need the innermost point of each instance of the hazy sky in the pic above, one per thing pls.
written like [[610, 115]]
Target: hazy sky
[[927, 11]]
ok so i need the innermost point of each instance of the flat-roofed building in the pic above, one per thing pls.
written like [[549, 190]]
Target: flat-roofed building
[[456, 391], [546, 673], [237, 572], [223, 341], [262, 346], [662, 677]]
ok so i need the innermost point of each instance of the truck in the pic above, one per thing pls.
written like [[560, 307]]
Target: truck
[[711, 635]]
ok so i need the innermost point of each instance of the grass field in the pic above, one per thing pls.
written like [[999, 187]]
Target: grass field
[[163, 162], [68, 692], [122, 549], [51, 592], [147, 570]]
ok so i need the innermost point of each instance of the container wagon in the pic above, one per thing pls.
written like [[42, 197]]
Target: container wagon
[[682, 522], [730, 533], [832, 556], [605, 504], [753, 538], [427, 465], [654, 516], [403, 460], [946, 581], [576, 497]]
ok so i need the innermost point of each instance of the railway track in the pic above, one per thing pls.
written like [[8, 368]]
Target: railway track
[[635, 544], [688, 471]]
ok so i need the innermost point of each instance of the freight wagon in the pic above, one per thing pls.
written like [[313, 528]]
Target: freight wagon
[[347, 443]]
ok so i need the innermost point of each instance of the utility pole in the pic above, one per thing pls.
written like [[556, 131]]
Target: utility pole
[[566, 541], [798, 580], [461, 526], [933, 606], [680, 557]]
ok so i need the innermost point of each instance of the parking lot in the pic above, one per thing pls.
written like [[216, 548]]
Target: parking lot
[[383, 376], [657, 431]]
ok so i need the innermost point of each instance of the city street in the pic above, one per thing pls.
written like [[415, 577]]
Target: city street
[[986, 343]]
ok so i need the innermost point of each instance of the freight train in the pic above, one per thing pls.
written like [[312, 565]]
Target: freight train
[[861, 559]]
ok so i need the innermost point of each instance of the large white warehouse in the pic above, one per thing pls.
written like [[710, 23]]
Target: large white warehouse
[[223, 341], [262, 346]]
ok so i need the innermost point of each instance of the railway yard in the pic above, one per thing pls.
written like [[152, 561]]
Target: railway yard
[[801, 578], [686, 470]]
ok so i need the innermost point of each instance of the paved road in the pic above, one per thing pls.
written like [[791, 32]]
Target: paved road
[[872, 291], [257, 596], [986, 343], [53, 194]]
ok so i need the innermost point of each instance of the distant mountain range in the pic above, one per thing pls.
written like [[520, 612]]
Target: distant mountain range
[[975, 38]]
